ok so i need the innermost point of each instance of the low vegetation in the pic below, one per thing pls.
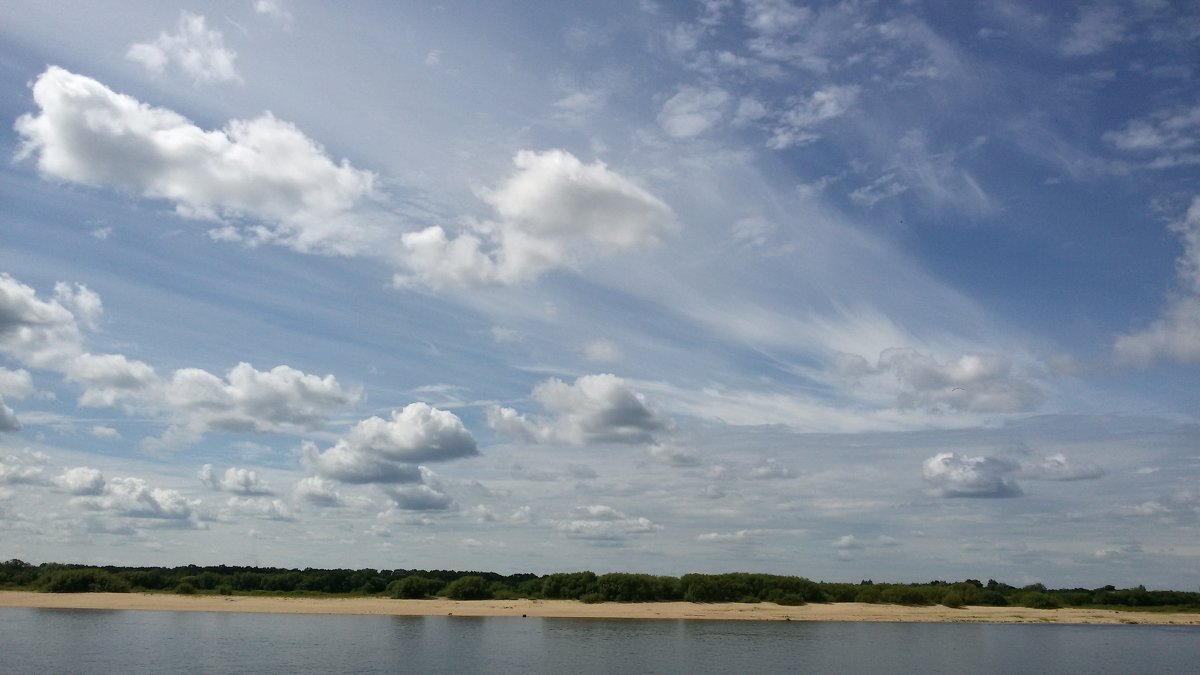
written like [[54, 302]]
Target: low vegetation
[[582, 586]]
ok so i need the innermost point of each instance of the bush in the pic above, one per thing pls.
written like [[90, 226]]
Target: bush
[[225, 589], [185, 588], [414, 587], [468, 588], [953, 599], [84, 581], [1038, 600], [869, 594]]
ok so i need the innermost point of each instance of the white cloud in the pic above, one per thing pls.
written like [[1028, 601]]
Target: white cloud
[[81, 480], [553, 212], [769, 469], [1058, 467], [675, 455], [16, 384], [954, 475], [318, 491], [594, 409], [195, 49], [386, 451], [978, 383], [420, 498], [275, 10], [264, 509], [1097, 28], [1176, 334], [134, 498], [692, 111], [798, 125], [250, 400], [263, 168], [1165, 130], [847, 542], [26, 468], [8, 419], [240, 481], [84, 304], [604, 523], [775, 16], [108, 433], [602, 351], [111, 379], [740, 535], [43, 334]]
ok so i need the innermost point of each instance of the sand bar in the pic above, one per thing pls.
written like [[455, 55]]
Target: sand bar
[[842, 611]]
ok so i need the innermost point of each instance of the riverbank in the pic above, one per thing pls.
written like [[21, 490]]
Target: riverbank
[[841, 611]]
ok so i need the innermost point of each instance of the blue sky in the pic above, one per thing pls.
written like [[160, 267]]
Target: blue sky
[[847, 290]]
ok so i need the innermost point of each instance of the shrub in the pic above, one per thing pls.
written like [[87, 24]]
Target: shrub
[[468, 588], [185, 588], [1038, 600], [84, 581], [414, 587]]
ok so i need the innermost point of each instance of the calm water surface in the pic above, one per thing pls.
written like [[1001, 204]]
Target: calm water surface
[[128, 642]]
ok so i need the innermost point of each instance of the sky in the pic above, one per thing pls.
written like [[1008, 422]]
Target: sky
[[848, 290]]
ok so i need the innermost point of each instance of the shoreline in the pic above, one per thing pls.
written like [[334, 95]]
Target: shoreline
[[572, 609]]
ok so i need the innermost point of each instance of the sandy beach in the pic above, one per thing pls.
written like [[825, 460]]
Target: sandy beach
[[848, 611]]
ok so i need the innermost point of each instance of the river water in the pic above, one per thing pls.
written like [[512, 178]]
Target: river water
[[132, 642]]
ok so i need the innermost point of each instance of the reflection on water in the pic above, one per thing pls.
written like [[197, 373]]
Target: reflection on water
[[129, 642]]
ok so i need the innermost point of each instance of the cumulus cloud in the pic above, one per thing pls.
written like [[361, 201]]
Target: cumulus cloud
[[40, 333], [26, 468], [604, 523], [420, 498], [553, 212], [953, 475], [675, 455], [240, 481], [111, 379], [250, 400], [8, 418], [194, 49], [134, 498], [105, 432], [593, 409], [692, 111], [971, 383], [1176, 334], [263, 509], [265, 169], [46, 334], [318, 491], [386, 451], [15, 383], [81, 480]]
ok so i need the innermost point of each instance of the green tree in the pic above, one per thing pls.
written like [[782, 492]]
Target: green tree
[[468, 588]]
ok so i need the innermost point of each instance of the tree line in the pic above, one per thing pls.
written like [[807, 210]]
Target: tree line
[[582, 586]]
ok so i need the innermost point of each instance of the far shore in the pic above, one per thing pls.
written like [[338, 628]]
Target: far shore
[[724, 611]]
